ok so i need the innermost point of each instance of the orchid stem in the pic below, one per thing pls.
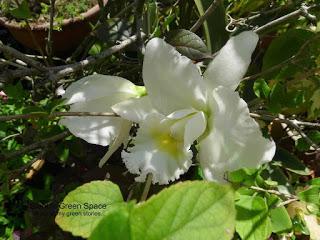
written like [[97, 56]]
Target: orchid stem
[[146, 188]]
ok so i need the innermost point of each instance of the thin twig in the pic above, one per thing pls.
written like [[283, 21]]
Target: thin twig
[[17, 65], [207, 13], [308, 124], [18, 55], [138, 22], [303, 11], [270, 11], [75, 67], [55, 115], [59, 72], [288, 122], [275, 192], [50, 39], [90, 38], [8, 76], [38, 145]]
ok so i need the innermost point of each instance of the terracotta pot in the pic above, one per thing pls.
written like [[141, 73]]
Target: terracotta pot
[[73, 31]]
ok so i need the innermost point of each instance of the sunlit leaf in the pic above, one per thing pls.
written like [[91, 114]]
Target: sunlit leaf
[[83, 208], [253, 222]]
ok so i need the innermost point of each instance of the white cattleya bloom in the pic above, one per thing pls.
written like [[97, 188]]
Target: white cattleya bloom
[[183, 106], [97, 93]]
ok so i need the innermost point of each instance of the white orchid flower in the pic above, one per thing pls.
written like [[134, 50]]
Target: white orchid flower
[[97, 93], [182, 106]]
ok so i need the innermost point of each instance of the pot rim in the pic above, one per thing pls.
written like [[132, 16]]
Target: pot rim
[[44, 26]]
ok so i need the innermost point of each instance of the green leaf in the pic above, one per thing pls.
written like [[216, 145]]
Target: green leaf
[[261, 88], [62, 152], [215, 33], [95, 49], [245, 176], [22, 11], [188, 210], [277, 96], [253, 222], [15, 91], [285, 159], [311, 195], [280, 220], [315, 181], [303, 145], [83, 208], [115, 225], [284, 47], [188, 44]]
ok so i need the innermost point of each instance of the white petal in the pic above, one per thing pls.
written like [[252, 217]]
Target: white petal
[[97, 130], [230, 65], [189, 128], [181, 113], [134, 109], [195, 127], [120, 139], [97, 86], [156, 152], [173, 82], [234, 140]]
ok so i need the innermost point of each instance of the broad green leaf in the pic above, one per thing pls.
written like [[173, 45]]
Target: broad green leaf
[[214, 27], [280, 220], [115, 225], [285, 46], [311, 195], [22, 11], [245, 176], [285, 159], [253, 222], [188, 210], [188, 44], [83, 208]]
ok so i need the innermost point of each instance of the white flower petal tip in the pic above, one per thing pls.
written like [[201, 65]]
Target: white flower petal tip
[[156, 151], [95, 130], [99, 86], [97, 93], [235, 140], [230, 65], [173, 82], [121, 138]]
